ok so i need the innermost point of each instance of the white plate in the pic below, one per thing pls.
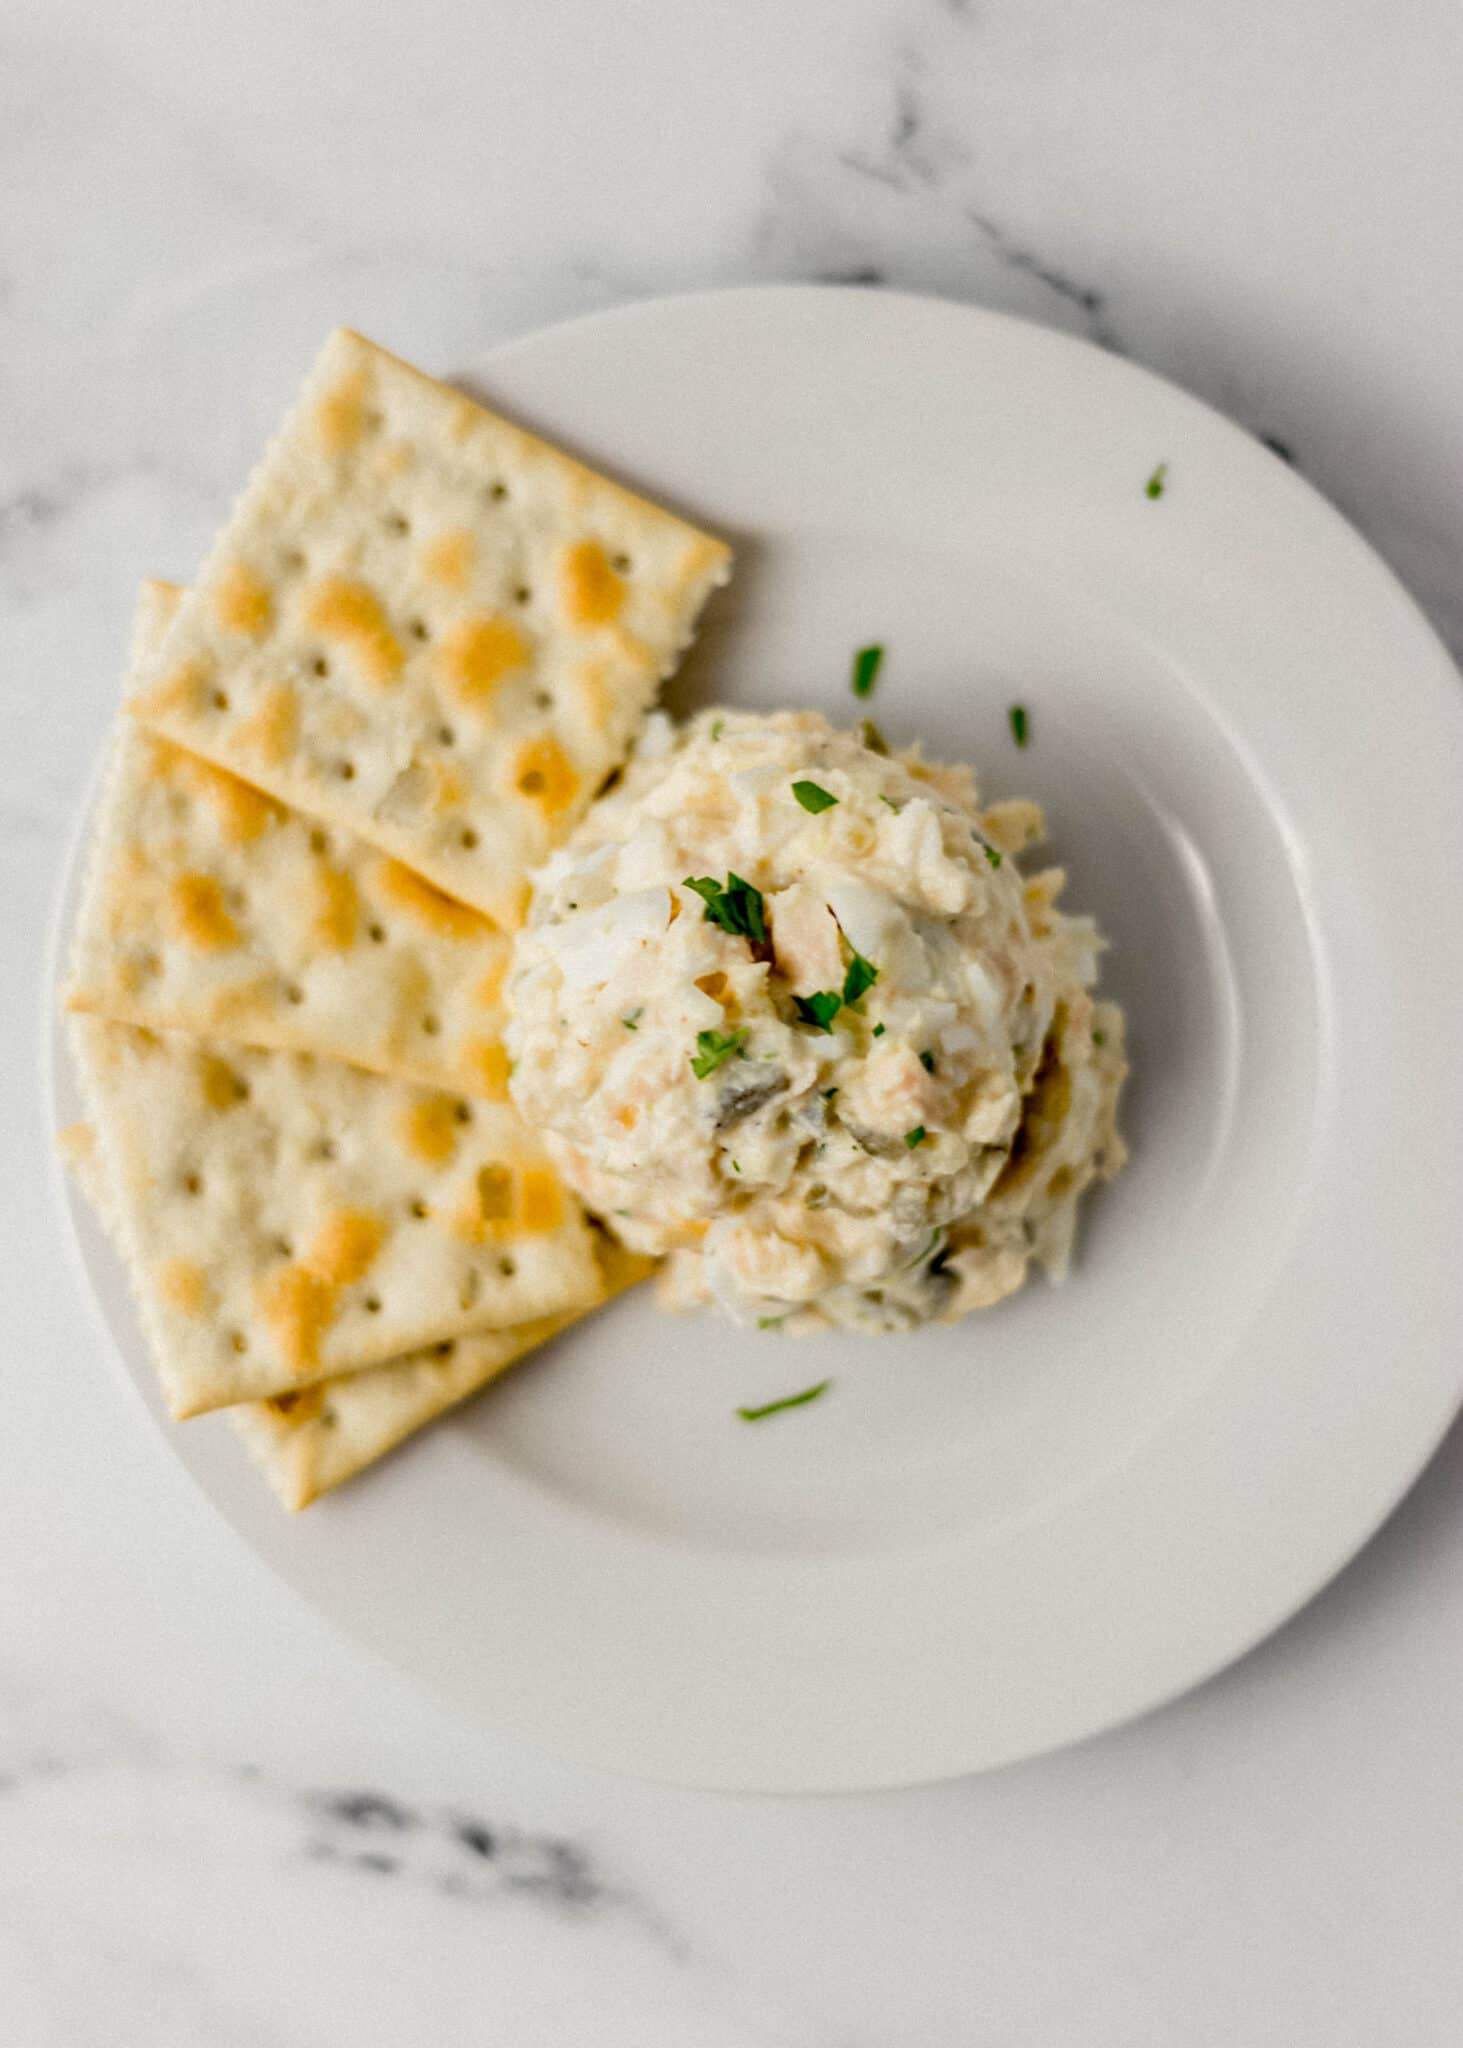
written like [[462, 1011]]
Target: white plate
[[989, 1541]]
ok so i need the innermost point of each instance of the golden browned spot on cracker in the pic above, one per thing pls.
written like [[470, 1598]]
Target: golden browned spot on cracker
[[544, 774], [593, 592], [299, 1301], [337, 913], [540, 1200], [487, 1061], [221, 1086], [199, 916], [447, 559], [241, 601], [489, 990], [185, 1287], [178, 694], [476, 655], [297, 1306], [350, 615], [429, 1129], [271, 728], [345, 1245], [489, 1206], [438, 913], [340, 417]]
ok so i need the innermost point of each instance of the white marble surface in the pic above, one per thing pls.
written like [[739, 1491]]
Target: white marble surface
[[216, 1825]]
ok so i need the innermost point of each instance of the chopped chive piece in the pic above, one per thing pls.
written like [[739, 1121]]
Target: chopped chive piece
[[878, 1031], [927, 1061], [860, 978], [718, 727], [915, 1137], [813, 798], [819, 1010], [1158, 481], [1020, 724], [715, 1048], [631, 1019], [871, 736], [788, 1400], [992, 855], [829, 1093], [866, 669], [735, 905], [896, 808], [735, 1167]]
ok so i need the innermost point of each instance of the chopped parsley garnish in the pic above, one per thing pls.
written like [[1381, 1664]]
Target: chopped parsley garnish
[[736, 906], [631, 1019], [871, 737], [829, 1093], [1157, 482], [915, 1137], [819, 1010], [715, 1048], [1020, 724], [718, 727], [1099, 1038], [878, 1031], [813, 798], [860, 978], [866, 669], [772, 1322], [991, 854], [927, 1061], [788, 1400]]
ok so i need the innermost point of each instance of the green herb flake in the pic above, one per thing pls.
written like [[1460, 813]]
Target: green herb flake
[[894, 807], [871, 737], [813, 798], [734, 905], [1099, 1038], [1020, 724], [915, 1137], [735, 1168], [1158, 482], [718, 727], [788, 1400], [829, 1093], [715, 1048], [860, 978], [866, 665], [631, 1019], [879, 1031], [992, 854], [819, 1010], [927, 1061]]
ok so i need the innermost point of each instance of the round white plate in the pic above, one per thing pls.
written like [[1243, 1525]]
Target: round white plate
[[991, 1540]]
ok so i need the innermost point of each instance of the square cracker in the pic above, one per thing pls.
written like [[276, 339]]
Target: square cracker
[[425, 625], [286, 1219], [307, 1443], [211, 908]]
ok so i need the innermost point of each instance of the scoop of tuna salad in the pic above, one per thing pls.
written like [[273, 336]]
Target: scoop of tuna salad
[[786, 1009]]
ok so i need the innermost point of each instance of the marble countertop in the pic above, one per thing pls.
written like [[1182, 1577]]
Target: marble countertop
[[217, 1825]]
